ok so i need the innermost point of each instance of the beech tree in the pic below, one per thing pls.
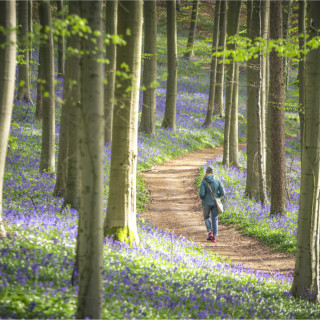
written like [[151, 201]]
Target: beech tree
[[24, 52], [218, 95], [232, 29], [71, 97], [169, 120], [60, 40], [47, 158], [120, 221], [192, 31], [277, 109], [111, 29], [148, 114], [7, 81], [302, 43], [306, 273], [90, 232], [213, 67]]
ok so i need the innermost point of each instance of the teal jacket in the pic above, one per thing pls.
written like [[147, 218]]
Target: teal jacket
[[217, 189]]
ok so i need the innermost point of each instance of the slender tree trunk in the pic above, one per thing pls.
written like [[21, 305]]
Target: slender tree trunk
[[232, 29], [302, 44], [91, 207], [60, 40], [47, 159], [306, 273], [192, 32], [169, 120], [121, 213], [253, 101], [111, 28], [7, 80], [148, 115], [213, 68], [278, 157], [39, 109], [30, 27], [218, 97], [234, 139], [23, 74], [72, 69]]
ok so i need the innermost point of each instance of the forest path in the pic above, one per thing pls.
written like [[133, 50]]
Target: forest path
[[176, 206]]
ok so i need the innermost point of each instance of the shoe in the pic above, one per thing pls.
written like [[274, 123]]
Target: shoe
[[210, 236], [213, 239]]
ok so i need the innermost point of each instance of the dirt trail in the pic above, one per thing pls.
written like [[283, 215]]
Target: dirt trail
[[175, 205]]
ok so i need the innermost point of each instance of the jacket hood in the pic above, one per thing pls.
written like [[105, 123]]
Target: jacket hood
[[210, 178]]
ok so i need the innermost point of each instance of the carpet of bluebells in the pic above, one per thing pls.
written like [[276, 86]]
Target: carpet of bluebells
[[165, 276]]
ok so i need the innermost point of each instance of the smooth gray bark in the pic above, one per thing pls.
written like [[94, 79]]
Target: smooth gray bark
[[169, 120], [192, 32], [148, 114], [7, 81], [47, 158], [218, 96], [111, 28], [120, 221], [306, 272], [253, 100], [60, 40], [213, 67], [302, 44], [72, 99], [91, 145], [232, 29], [276, 99], [39, 109], [286, 18], [23, 74]]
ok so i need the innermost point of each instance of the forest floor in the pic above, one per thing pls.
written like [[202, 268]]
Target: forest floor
[[176, 206]]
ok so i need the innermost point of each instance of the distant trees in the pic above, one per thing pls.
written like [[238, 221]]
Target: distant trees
[[192, 32], [306, 273], [47, 159], [120, 221], [7, 81], [90, 232], [148, 114], [169, 120]]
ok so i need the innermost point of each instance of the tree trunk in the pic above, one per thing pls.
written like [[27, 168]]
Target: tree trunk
[[234, 139], [302, 44], [111, 28], [232, 29], [91, 207], [253, 101], [218, 97], [30, 27], [306, 273], [276, 99], [121, 213], [60, 40], [23, 74], [286, 14], [192, 32], [39, 109], [169, 120], [213, 68], [148, 115], [72, 99], [47, 159], [7, 81]]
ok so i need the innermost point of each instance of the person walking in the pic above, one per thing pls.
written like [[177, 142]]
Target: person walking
[[208, 202]]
